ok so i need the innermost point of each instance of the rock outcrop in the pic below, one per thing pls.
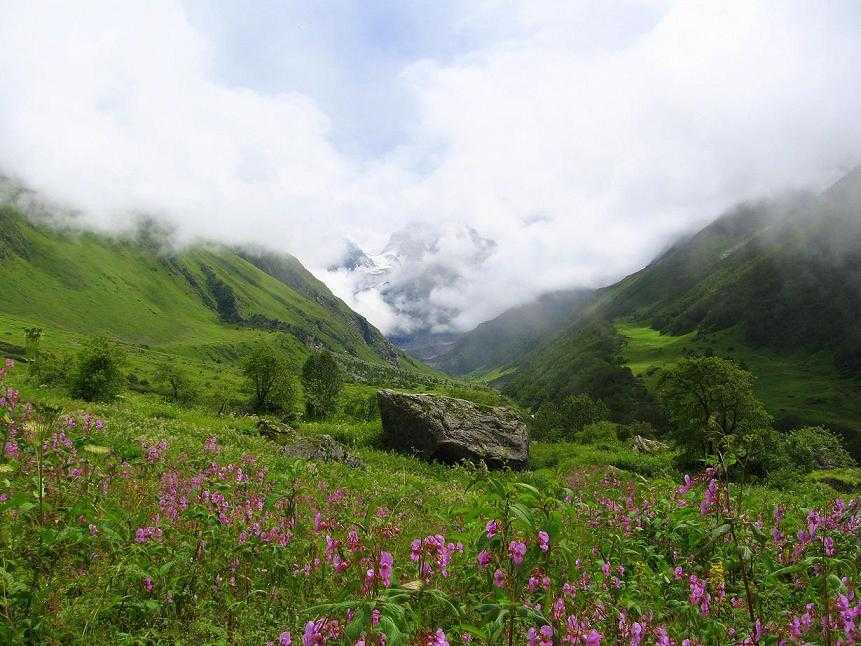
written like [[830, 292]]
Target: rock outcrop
[[450, 430], [644, 445]]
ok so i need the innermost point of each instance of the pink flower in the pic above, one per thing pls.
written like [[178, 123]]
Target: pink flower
[[593, 638], [605, 568], [147, 584], [438, 639], [517, 550], [385, 569], [541, 637], [492, 528], [499, 578], [284, 639], [375, 617], [484, 558], [543, 541]]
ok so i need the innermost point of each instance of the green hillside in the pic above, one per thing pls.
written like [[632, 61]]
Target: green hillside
[[774, 286], [513, 333], [203, 302]]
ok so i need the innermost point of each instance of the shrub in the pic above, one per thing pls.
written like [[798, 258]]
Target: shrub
[[321, 381], [175, 382], [598, 433], [564, 421], [47, 368], [812, 448], [98, 372], [266, 373]]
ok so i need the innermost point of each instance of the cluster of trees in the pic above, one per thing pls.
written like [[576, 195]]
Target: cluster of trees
[[97, 373], [713, 414]]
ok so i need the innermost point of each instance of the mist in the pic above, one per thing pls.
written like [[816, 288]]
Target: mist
[[580, 138]]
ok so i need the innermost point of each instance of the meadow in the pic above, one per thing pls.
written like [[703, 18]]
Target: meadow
[[141, 522]]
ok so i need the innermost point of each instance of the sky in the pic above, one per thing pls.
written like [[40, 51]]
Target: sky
[[580, 137]]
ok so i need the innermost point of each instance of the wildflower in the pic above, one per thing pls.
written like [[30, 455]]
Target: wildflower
[[605, 568], [211, 446], [147, 584], [313, 635], [517, 550], [593, 638], [828, 544], [438, 639], [284, 639], [543, 541], [492, 528], [386, 563], [541, 637], [499, 578], [375, 617], [484, 558], [662, 638], [709, 497]]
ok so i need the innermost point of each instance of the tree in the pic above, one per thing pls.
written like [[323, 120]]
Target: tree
[[262, 368], [709, 399], [98, 371], [562, 422], [321, 380], [175, 380]]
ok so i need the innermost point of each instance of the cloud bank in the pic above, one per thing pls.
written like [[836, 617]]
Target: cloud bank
[[579, 137]]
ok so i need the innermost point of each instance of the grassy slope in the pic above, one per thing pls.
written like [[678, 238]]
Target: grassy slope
[[90, 284], [797, 387]]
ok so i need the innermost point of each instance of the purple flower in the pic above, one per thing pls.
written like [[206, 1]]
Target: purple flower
[[147, 584], [284, 639], [499, 578], [517, 550], [484, 558], [386, 563], [492, 528], [543, 541]]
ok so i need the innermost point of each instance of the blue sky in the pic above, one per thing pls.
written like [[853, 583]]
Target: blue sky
[[581, 137]]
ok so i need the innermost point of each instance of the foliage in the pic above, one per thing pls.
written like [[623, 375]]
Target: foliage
[[709, 398], [321, 383], [144, 528], [176, 382], [97, 375], [266, 373], [812, 448], [564, 421]]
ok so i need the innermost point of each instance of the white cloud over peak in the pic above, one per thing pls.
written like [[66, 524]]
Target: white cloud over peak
[[580, 141]]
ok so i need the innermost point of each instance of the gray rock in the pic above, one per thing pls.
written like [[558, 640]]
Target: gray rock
[[644, 445], [275, 431], [450, 430], [321, 448]]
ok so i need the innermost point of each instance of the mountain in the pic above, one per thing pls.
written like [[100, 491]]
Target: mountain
[[503, 340], [205, 301], [418, 261], [774, 285]]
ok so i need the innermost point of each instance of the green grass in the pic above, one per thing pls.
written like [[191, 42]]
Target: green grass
[[800, 386]]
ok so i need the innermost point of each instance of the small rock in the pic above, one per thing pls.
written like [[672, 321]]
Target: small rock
[[275, 431], [645, 445], [321, 448]]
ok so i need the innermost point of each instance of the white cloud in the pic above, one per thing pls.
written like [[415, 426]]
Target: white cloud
[[580, 140]]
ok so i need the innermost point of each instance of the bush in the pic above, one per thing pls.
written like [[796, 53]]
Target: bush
[[321, 381], [598, 433], [563, 422], [49, 369], [98, 372], [175, 383], [812, 448]]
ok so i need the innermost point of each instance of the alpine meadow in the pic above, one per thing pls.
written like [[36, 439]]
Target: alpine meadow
[[430, 324]]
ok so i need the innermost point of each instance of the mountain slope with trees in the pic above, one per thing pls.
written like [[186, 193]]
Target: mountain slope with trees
[[777, 284]]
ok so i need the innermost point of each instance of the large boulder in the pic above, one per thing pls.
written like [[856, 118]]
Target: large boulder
[[450, 430]]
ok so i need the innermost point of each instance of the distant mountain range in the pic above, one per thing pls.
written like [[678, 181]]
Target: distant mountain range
[[415, 262]]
